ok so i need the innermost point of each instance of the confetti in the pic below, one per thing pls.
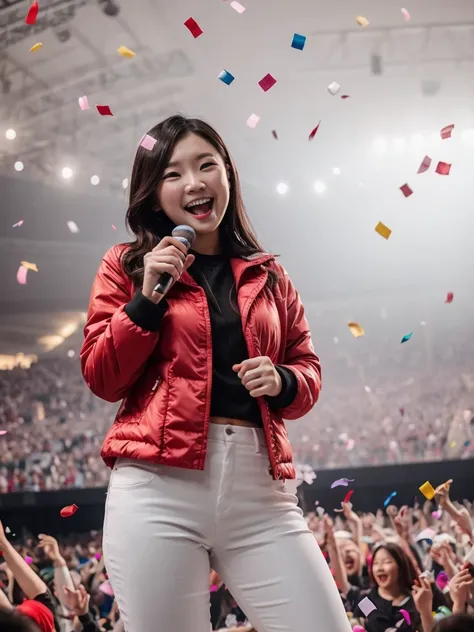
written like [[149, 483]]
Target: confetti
[[427, 490], [226, 77], [366, 606], [446, 131], [437, 514], [425, 165], [361, 21], [126, 52], [18, 224], [383, 230], [314, 132], [3, 432], [348, 496], [406, 190], [148, 142], [386, 502], [342, 482], [358, 628], [405, 14], [406, 337], [320, 511], [274, 134], [406, 616], [68, 511], [443, 168], [32, 14], [237, 6], [449, 297], [193, 27], [356, 330], [334, 88], [298, 41], [83, 103], [21, 275], [465, 444], [267, 82], [36, 47], [367, 389], [28, 560], [72, 227], [104, 110], [30, 266], [114, 227], [253, 120], [8, 530], [345, 96]]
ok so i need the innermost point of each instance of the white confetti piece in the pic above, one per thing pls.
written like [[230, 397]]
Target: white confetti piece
[[83, 103], [334, 88], [405, 14], [73, 227], [237, 7], [320, 511], [8, 530], [114, 227], [253, 120], [367, 389], [148, 142], [366, 606], [18, 224]]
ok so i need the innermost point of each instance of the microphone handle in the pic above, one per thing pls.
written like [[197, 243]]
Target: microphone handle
[[164, 284]]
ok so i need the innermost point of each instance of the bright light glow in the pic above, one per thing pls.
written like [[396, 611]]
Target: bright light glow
[[71, 353], [379, 145], [417, 141], [336, 171], [10, 134], [282, 188], [19, 166], [399, 144], [95, 180], [125, 183], [67, 173], [68, 330], [468, 136], [319, 187]]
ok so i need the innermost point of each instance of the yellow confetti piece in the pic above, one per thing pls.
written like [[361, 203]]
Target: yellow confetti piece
[[126, 52], [30, 266], [427, 490], [383, 230], [452, 444], [361, 21], [36, 47], [356, 330]]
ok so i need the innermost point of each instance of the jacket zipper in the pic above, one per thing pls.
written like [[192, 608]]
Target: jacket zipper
[[156, 384]]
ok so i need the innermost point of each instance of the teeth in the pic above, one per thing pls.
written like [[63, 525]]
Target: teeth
[[198, 202]]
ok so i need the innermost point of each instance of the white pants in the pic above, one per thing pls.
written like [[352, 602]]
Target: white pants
[[165, 527]]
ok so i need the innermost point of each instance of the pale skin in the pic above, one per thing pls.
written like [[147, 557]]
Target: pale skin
[[197, 170]]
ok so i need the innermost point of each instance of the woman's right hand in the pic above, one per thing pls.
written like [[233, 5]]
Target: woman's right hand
[[170, 255]]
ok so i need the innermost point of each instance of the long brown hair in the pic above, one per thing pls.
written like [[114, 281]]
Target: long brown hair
[[406, 570], [238, 238]]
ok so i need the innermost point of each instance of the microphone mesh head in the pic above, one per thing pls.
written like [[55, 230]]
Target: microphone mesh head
[[185, 232]]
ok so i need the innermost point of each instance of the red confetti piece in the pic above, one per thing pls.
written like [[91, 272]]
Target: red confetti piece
[[449, 297], [274, 134], [406, 190], [446, 132], [443, 168], [104, 110], [32, 14], [348, 496], [402, 411], [193, 27], [345, 96], [267, 82], [425, 165], [314, 132], [67, 512]]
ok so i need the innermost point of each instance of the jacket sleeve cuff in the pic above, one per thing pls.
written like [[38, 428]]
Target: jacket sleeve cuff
[[289, 389], [145, 313]]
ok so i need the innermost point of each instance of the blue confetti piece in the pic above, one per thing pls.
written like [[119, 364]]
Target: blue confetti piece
[[298, 41], [386, 502], [406, 338], [226, 77]]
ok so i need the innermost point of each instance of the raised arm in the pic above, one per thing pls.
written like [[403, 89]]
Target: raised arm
[[30, 583]]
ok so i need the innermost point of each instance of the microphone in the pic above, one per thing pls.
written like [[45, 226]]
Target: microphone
[[186, 235]]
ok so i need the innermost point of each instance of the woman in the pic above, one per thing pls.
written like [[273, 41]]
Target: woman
[[199, 450]]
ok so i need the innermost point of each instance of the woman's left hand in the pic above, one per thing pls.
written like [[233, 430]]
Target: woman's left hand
[[259, 376], [422, 595]]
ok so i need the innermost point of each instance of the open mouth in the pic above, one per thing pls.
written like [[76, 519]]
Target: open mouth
[[382, 578], [200, 208]]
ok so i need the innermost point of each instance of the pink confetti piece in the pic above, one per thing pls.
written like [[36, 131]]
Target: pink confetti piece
[[104, 110], [237, 7], [3, 432], [425, 165], [83, 103], [253, 120], [449, 297], [193, 27], [114, 227], [366, 606], [443, 168], [446, 131], [437, 514], [406, 190], [107, 589], [148, 142], [21, 275], [18, 224], [29, 560], [314, 131], [405, 14], [342, 482], [267, 82], [405, 615], [274, 134]]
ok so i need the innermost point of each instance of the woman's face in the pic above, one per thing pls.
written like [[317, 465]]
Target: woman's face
[[194, 188], [385, 569], [350, 555]]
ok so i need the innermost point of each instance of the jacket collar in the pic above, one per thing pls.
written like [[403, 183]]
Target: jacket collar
[[239, 265]]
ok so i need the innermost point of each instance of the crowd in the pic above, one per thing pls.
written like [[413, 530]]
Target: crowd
[[408, 569]]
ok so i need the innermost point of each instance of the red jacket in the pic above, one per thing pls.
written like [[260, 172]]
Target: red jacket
[[165, 377]]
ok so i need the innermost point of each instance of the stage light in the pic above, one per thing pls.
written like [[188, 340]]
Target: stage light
[[319, 187], [18, 166], [282, 188], [95, 180], [125, 183], [399, 144], [10, 134], [67, 173], [379, 145], [468, 136], [336, 171]]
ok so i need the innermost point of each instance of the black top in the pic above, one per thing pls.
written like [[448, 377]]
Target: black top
[[387, 615]]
